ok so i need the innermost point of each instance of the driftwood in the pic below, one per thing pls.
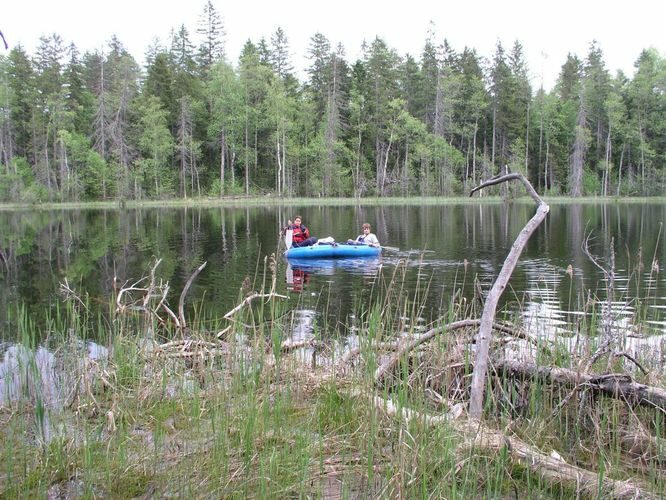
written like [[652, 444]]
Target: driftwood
[[415, 342], [244, 303], [550, 467], [151, 291], [617, 385], [490, 306]]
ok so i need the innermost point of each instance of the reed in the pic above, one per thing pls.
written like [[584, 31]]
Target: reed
[[166, 415]]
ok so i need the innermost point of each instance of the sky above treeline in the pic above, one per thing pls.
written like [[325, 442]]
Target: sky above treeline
[[547, 31]]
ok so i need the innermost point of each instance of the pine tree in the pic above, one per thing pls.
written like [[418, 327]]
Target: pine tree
[[22, 97], [319, 53], [211, 31], [280, 58], [597, 87], [226, 127]]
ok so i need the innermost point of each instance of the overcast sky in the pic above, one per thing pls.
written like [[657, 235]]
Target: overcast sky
[[548, 31]]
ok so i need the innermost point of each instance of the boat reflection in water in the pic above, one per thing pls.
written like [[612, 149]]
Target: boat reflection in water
[[366, 266], [298, 277], [299, 270]]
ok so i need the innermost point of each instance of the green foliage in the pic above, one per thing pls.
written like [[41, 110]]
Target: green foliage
[[95, 126], [17, 181], [591, 183], [90, 177]]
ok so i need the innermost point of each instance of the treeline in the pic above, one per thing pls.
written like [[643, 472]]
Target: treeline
[[98, 126]]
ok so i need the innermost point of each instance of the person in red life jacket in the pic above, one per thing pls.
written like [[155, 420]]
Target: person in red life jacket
[[300, 234]]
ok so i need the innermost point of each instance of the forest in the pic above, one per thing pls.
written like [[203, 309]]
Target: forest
[[188, 123]]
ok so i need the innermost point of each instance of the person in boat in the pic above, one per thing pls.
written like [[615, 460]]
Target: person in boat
[[300, 234], [367, 238]]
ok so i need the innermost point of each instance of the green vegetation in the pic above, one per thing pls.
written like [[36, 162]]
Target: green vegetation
[[173, 413], [97, 126]]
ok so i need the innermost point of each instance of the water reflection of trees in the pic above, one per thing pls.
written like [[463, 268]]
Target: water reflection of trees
[[99, 249]]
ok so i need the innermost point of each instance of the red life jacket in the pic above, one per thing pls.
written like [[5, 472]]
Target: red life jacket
[[299, 234]]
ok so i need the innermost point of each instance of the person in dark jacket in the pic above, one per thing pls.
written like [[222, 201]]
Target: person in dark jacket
[[300, 234]]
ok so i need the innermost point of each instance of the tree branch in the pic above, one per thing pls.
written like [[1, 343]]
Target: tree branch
[[181, 302], [490, 307]]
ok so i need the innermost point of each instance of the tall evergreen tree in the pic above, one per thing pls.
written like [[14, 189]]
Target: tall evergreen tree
[[51, 167], [79, 98], [319, 53], [597, 87], [255, 79], [647, 119], [226, 127], [470, 108], [211, 31], [382, 64], [123, 76], [280, 58], [22, 95], [160, 81]]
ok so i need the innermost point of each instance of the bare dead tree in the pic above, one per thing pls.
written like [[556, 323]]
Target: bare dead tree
[[490, 307], [184, 142], [578, 155]]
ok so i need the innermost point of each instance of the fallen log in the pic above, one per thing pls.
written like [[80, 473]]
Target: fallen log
[[617, 385], [551, 467]]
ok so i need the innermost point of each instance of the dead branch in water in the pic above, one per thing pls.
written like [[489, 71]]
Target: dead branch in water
[[246, 302], [181, 301], [138, 298], [413, 343], [490, 306]]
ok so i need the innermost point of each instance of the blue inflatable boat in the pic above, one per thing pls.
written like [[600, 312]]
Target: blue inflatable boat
[[339, 251]]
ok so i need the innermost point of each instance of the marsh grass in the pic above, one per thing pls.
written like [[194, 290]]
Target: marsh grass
[[260, 422]]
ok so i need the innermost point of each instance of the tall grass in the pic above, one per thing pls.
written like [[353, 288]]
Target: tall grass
[[261, 423]]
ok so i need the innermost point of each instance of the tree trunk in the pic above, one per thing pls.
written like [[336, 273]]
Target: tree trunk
[[609, 146], [490, 307], [578, 155], [223, 150], [619, 171]]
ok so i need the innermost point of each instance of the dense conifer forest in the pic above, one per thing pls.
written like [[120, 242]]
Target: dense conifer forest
[[190, 123]]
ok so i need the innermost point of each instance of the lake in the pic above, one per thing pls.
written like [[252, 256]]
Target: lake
[[438, 255]]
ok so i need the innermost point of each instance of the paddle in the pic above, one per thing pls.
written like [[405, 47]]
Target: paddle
[[410, 251], [288, 238]]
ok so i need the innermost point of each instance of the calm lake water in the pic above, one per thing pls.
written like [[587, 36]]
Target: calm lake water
[[438, 250]]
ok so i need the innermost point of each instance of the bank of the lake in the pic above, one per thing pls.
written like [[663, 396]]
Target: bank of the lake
[[252, 413], [269, 200]]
